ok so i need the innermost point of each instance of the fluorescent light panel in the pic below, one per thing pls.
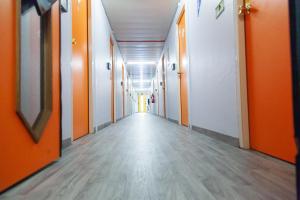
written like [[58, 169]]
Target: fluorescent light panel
[[142, 89], [141, 81], [141, 63]]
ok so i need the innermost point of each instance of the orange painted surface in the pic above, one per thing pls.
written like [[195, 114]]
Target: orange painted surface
[[183, 71], [123, 90], [112, 77], [164, 85], [157, 82], [19, 155], [80, 69], [269, 79]]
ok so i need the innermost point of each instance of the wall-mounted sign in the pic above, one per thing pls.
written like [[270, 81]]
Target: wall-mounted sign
[[220, 9], [198, 7], [108, 66], [173, 66]]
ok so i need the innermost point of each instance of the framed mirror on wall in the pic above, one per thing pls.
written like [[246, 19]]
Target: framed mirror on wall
[[34, 64]]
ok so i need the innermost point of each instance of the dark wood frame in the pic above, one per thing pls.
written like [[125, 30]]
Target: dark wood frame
[[37, 128], [294, 6]]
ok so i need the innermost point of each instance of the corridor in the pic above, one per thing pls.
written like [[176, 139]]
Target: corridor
[[149, 99], [147, 157]]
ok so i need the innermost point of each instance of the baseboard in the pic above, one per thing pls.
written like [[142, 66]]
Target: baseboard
[[100, 127], [219, 136], [119, 119], [173, 120], [66, 143]]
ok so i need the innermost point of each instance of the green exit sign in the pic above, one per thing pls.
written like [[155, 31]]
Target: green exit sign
[[220, 9]]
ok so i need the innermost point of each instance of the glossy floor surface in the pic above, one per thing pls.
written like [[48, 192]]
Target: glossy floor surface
[[145, 157]]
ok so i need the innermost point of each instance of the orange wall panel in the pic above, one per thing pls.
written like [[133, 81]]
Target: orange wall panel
[[183, 71], [19, 155], [80, 70], [270, 79]]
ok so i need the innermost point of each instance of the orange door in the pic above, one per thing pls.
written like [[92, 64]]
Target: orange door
[[164, 85], [183, 70], [123, 91], [112, 77], [269, 79], [20, 156], [80, 69]]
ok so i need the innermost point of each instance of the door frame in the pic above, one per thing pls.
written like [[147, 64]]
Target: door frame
[[242, 91], [113, 96], [90, 67]]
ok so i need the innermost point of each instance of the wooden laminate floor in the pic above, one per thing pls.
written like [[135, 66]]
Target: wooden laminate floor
[[144, 157]]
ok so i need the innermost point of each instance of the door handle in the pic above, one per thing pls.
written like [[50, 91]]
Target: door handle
[[245, 9], [248, 7], [74, 41], [179, 74], [241, 10]]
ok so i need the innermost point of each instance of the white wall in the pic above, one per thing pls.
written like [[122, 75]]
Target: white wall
[[129, 93], [119, 89], [153, 106], [156, 95], [212, 68], [172, 92], [100, 75], [66, 73], [160, 89], [134, 102], [101, 32]]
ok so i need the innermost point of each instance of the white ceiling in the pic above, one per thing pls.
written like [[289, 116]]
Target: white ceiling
[[140, 27]]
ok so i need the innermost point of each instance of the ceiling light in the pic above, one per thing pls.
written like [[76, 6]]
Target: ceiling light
[[141, 63], [142, 89], [141, 81]]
